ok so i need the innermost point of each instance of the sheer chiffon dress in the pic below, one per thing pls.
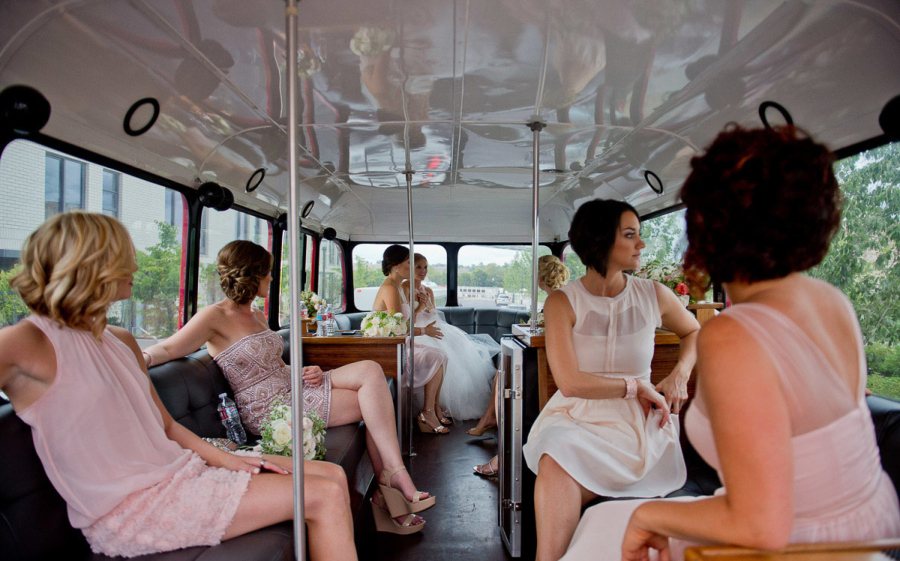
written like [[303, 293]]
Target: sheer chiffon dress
[[100, 437], [426, 359], [258, 376], [469, 377], [609, 446], [841, 492]]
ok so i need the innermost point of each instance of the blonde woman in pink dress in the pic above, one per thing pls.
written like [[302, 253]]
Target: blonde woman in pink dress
[[137, 482], [780, 409], [249, 353]]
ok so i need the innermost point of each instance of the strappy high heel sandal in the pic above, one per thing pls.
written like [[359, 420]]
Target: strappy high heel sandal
[[384, 522], [396, 501], [445, 419], [487, 470], [428, 429]]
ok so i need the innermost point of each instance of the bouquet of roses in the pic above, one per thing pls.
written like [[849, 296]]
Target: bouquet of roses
[[313, 302], [668, 274], [383, 324], [277, 435]]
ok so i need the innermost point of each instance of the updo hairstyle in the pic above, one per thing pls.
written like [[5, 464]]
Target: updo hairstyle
[[552, 270], [393, 256], [594, 230], [242, 265], [71, 267], [761, 204]]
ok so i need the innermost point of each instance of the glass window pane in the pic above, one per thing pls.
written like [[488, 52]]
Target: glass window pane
[[573, 262], [331, 273], [367, 274], [220, 228], [73, 176], [284, 306], [52, 191], [862, 260], [496, 276]]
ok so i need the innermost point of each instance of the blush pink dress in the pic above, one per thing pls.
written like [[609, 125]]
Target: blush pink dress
[[427, 360], [101, 440], [258, 376], [609, 446], [841, 493]]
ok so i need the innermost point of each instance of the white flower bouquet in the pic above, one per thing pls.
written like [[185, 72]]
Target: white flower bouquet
[[277, 435], [383, 324], [313, 302], [371, 41]]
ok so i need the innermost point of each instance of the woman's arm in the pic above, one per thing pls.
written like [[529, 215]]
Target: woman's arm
[[198, 331], [559, 319], [677, 319], [188, 440], [751, 429]]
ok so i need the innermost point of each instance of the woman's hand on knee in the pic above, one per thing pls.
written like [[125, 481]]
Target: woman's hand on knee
[[312, 376]]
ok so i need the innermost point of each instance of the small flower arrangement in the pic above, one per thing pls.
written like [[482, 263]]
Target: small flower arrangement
[[669, 274], [277, 435], [384, 324], [313, 302], [371, 41]]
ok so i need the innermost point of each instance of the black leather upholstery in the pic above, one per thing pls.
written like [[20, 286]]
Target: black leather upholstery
[[33, 519], [495, 322], [886, 417]]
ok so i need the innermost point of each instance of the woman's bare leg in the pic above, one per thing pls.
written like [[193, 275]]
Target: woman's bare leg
[[270, 499], [557, 505], [489, 419], [359, 392], [432, 391]]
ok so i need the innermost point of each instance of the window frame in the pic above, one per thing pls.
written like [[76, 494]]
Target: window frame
[[117, 178], [61, 202]]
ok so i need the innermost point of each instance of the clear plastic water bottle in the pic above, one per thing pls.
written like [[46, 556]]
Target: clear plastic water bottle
[[320, 321], [228, 412], [304, 313], [329, 321]]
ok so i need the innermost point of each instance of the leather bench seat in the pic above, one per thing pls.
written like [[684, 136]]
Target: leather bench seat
[[33, 519]]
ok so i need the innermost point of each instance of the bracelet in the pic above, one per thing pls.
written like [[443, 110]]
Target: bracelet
[[630, 388], [149, 360]]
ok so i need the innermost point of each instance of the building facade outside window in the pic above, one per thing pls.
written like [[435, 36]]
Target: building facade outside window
[[112, 182], [63, 185]]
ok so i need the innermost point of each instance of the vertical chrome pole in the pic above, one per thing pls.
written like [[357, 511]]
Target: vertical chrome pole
[[291, 16], [412, 290], [536, 124]]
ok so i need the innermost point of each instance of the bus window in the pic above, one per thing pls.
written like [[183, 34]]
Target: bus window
[[864, 259], [306, 252], [218, 229], [37, 182], [368, 276], [496, 275], [331, 274]]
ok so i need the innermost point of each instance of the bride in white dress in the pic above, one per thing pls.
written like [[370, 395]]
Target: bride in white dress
[[466, 389]]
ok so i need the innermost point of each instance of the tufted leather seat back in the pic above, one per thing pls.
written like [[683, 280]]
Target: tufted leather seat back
[[190, 388], [886, 418]]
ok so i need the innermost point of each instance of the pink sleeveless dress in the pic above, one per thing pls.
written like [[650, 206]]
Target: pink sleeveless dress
[[258, 376], [427, 360], [101, 440], [608, 445], [841, 493]]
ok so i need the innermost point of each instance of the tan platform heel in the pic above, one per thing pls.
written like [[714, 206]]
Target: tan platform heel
[[397, 503], [384, 522], [428, 429]]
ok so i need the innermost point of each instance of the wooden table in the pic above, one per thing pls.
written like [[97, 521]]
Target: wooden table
[[333, 352], [848, 551]]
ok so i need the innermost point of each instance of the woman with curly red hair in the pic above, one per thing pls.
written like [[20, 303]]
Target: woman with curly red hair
[[780, 409]]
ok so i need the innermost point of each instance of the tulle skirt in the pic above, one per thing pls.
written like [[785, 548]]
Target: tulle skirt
[[469, 373]]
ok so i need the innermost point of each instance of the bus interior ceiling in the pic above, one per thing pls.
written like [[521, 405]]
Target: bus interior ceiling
[[626, 88], [191, 95]]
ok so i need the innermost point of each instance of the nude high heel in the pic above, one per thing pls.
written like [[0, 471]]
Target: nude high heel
[[397, 503], [428, 429], [475, 431], [384, 522]]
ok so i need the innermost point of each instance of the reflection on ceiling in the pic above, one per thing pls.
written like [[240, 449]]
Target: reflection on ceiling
[[446, 87]]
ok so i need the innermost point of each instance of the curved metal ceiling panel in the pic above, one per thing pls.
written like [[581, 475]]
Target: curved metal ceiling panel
[[626, 86]]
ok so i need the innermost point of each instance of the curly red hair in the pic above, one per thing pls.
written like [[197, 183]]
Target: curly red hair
[[761, 204]]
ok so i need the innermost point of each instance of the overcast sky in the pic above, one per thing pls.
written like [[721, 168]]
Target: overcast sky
[[468, 255]]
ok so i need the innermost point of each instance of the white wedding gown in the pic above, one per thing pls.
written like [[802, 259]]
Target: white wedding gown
[[470, 370]]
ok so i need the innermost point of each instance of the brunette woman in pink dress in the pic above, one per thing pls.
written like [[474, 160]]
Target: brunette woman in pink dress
[[430, 363], [138, 482], [780, 409], [249, 353]]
